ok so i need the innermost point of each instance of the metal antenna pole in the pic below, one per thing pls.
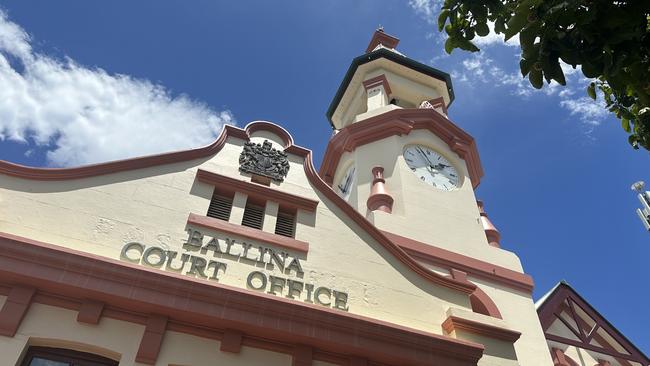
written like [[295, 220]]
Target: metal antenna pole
[[644, 198]]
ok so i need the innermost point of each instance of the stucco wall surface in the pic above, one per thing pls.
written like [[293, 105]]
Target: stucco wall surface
[[100, 214], [119, 341], [446, 219]]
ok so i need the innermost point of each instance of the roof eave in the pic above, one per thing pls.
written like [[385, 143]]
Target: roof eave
[[392, 56]]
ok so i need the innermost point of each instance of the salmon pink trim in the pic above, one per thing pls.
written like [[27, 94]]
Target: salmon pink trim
[[480, 301], [270, 127], [152, 338], [377, 81], [14, 309], [94, 170], [472, 266], [302, 356], [203, 307], [90, 312], [248, 232], [231, 342], [564, 299], [483, 304], [560, 359], [435, 103], [454, 323], [379, 37], [256, 190], [379, 198], [491, 233], [402, 122]]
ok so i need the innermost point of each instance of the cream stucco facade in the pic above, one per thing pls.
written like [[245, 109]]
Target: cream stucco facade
[[129, 261]]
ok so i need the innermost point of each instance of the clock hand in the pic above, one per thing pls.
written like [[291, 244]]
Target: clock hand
[[424, 156], [348, 182], [441, 166]]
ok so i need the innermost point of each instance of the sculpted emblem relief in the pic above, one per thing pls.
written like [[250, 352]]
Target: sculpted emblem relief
[[263, 159]]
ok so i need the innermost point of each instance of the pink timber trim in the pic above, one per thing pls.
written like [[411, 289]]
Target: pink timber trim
[[14, 309], [379, 198], [231, 341], [560, 359], [302, 355], [483, 304], [438, 103], [565, 298], [230, 131], [379, 37], [248, 232], [90, 312], [256, 190], [454, 323], [376, 81], [480, 301], [472, 266], [152, 338], [402, 122], [172, 301], [94, 170], [491, 233]]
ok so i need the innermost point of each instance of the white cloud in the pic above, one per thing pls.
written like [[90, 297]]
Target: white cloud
[[427, 9], [479, 70], [495, 39], [82, 115], [13, 39], [589, 111]]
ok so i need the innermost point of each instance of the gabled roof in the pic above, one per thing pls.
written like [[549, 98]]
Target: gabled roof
[[392, 56], [569, 319]]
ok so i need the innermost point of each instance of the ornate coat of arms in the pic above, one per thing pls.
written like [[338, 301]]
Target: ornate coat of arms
[[262, 159]]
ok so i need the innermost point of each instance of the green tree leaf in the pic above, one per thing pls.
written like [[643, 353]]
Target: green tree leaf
[[591, 90], [609, 40], [482, 29], [535, 77], [524, 66], [515, 24], [442, 19], [449, 45], [626, 124]]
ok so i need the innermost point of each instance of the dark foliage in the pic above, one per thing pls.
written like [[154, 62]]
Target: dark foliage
[[610, 40]]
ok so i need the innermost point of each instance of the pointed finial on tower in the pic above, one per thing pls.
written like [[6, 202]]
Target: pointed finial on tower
[[382, 38]]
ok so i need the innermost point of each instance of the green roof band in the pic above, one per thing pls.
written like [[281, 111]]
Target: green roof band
[[392, 56]]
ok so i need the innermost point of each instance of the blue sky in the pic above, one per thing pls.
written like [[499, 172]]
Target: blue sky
[[84, 82]]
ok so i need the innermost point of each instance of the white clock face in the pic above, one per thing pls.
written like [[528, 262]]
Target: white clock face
[[431, 167], [344, 186]]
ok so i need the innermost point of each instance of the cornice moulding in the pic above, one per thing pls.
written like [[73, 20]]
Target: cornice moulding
[[402, 122]]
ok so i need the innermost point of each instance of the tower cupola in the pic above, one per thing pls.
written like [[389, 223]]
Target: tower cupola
[[384, 79]]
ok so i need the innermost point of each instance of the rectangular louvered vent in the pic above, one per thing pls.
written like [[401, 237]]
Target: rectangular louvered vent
[[220, 207], [253, 216], [285, 224]]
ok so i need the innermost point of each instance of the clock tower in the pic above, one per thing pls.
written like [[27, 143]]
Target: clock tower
[[397, 158]]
